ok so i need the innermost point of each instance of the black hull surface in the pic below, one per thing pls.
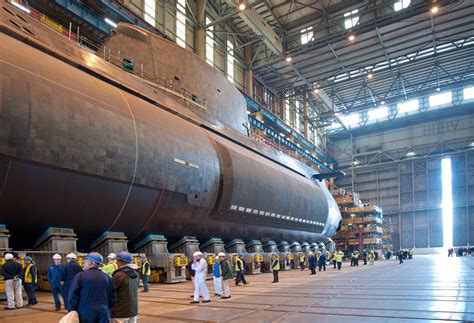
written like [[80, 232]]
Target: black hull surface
[[85, 145]]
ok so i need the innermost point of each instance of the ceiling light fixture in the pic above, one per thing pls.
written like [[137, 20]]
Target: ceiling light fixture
[[288, 59], [370, 75], [316, 90], [351, 37], [242, 6], [434, 6]]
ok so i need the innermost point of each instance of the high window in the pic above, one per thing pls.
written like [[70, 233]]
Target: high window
[[401, 4], [407, 106], [379, 113], [351, 120], [468, 93], [181, 23], [230, 61], [287, 111], [150, 12], [306, 35], [351, 19], [441, 98], [209, 43], [298, 116]]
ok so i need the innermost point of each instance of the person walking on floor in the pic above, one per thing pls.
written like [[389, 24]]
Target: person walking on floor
[[312, 263], [339, 257], [217, 277], [200, 268], [30, 277], [145, 272], [227, 274], [322, 261], [371, 258], [364, 256], [239, 269], [92, 292], [400, 256], [11, 272], [275, 267], [69, 270], [54, 278], [334, 259], [125, 279], [302, 259]]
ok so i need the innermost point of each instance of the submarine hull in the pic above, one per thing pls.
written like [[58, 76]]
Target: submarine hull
[[80, 151]]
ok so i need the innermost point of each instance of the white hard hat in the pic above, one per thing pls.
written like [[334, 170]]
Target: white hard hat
[[8, 256], [197, 254], [112, 256], [221, 254], [57, 257], [71, 256]]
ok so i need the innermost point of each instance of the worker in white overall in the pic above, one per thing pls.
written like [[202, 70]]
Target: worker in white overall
[[199, 266]]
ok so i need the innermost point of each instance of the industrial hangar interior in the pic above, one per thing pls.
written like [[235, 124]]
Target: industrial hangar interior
[[198, 142]]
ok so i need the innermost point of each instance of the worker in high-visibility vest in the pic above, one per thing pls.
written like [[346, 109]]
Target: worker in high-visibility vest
[[30, 276], [111, 264], [275, 267], [302, 260], [145, 272], [338, 257], [239, 270], [371, 258]]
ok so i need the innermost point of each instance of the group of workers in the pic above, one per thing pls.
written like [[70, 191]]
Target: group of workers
[[98, 292], [102, 292], [222, 273], [404, 254]]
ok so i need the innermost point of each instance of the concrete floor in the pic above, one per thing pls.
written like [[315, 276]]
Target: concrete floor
[[427, 288]]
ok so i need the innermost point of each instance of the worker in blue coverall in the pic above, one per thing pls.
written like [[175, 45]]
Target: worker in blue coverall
[[92, 292], [70, 269], [54, 278]]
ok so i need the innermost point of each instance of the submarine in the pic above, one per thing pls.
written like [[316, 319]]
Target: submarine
[[140, 136]]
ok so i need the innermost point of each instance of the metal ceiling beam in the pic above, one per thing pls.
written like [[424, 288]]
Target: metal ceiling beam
[[252, 18]]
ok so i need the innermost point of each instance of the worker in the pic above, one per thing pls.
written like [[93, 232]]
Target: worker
[[355, 258], [339, 257], [312, 263], [302, 259], [321, 261], [334, 259], [54, 278], [371, 257], [364, 256], [30, 277], [145, 272], [11, 272], [217, 277], [400, 256], [226, 274], [239, 269], [125, 279], [275, 267], [410, 253], [92, 292], [199, 266], [69, 270], [111, 264]]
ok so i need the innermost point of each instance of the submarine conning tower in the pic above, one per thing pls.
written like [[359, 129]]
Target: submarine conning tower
[[170, 66]]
